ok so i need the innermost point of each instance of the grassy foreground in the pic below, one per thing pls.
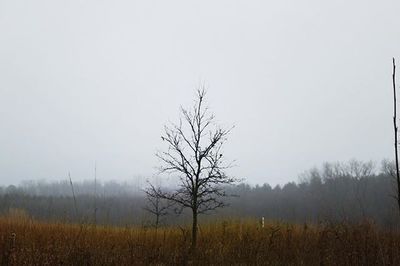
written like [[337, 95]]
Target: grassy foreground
[[27, 242]]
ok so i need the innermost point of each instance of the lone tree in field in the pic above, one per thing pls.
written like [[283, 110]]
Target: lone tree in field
[[194, 154]]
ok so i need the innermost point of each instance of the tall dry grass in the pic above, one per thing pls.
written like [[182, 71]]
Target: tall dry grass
[[27, 242]]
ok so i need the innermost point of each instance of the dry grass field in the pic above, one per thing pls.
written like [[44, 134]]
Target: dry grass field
[[27, 242]]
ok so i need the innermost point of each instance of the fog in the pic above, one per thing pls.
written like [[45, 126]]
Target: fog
[[303, 82], [338, 192]]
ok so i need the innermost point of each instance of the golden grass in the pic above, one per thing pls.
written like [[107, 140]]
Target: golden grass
[[27, 242]]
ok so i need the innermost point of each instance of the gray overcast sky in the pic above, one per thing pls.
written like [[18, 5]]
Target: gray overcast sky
[[303, 81]]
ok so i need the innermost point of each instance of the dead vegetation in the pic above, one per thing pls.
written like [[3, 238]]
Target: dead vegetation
[[27, 242]]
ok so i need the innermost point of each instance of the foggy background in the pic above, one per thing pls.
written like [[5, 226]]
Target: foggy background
[[303, 82]]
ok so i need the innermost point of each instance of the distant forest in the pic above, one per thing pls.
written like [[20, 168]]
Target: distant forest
[[352, 191]]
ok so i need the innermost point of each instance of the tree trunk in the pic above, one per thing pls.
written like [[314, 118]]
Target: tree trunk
[[396, 134], [157, 220], [194, 230]]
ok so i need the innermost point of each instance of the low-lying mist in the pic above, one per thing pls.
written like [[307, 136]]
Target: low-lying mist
[[352, 191]]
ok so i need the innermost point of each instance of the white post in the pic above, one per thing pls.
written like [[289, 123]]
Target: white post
[[262, 222]]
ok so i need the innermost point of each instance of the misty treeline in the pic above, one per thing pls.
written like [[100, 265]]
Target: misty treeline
[[352, 191]]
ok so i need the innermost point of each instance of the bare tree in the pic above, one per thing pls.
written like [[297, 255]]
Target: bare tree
[[396, 135], [156, 205], [195, 155]]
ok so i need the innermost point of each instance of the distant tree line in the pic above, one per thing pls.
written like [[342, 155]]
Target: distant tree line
[[336, 192], [351, 191]]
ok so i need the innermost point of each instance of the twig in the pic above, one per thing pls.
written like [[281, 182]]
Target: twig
[[73, 194]]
